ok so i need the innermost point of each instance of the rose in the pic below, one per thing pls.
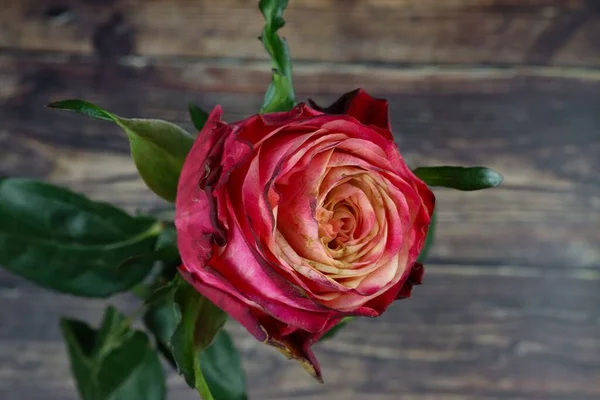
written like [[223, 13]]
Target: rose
[[290, 221]]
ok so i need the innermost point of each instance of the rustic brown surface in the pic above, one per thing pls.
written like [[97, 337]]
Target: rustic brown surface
[[510, 308], [402, 31]]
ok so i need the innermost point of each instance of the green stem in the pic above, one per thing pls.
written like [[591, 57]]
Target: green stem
[[201, 385]]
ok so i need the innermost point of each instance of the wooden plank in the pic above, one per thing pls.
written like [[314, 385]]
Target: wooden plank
[[468, 332], [556, 32], [537, 128]]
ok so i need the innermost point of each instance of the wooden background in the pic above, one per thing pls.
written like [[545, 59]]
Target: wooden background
[[510, 308]]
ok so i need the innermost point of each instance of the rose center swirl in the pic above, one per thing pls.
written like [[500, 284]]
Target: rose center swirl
[[346, 217]]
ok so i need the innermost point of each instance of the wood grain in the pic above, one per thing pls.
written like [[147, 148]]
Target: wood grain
[[510, 308], [469, 332], [557, 32]]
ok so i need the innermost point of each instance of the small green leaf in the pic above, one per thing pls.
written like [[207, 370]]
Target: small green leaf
[[63, 241], [336, 329], [187, 327], [132, 371], [161, 318], [220, 363], [115, 362], [429, 240], [158, 148], [198, 115], [461, 178], [280, 93], [80, 340], [85, 108], [200, 320]]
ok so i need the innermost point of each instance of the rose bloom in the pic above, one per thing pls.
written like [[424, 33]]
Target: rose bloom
[[291, 221]]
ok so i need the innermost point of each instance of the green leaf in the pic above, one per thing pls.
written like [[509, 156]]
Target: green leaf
[[199, 116], [280, 93], [200, 320], [429, 240], [158, 147], [219, 363], [184, 324], [161, 318], [222, 369], [63, 241], [132, 371], [80, 340], [85, 108], [167, 239], [336, 329], [461, 178], [114, 362]]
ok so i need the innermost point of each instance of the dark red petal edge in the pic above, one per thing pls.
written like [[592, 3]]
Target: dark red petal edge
[[360, 105], [415, 278]]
